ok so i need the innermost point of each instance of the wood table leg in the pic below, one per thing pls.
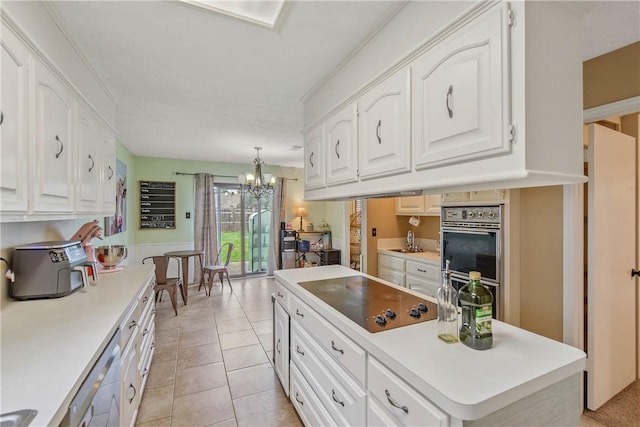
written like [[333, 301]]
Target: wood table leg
[[185, 279]]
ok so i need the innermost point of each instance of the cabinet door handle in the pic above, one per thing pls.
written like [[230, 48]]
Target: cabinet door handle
[[393, 402], [336, 149], [449, 95], [1, 117], [298, 399], [299, 314], [93, 163], [333, 346], [145, 332], [421, 270], [299, 351], [131, 387], [61, 147], [132, 324], [278, 345], [311, 159], [335, 398], [110, 173], [145, 299], [280, 295], [378, 131]]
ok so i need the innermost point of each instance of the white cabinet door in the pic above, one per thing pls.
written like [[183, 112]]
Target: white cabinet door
[[433, 203], [487, 195], [342, 146], [384, 127], [314, 174], [108, 174], [281, 346], [129, 393], [410, 205], [53, 144], [14, 125], [460, 95], [89, 141]]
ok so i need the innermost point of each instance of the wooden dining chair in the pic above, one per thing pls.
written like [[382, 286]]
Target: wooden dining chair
[[219, 268], [164, 283]]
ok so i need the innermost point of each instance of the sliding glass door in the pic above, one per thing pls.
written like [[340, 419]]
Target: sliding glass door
[[245, 221]]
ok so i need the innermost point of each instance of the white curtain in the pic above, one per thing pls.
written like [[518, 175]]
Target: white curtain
[[277, 216], [205, 222]]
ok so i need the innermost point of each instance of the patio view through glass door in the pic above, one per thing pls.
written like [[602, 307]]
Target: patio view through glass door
[[246, 222]]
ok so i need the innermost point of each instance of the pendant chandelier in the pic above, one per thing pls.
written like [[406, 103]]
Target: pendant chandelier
[[257, 183]]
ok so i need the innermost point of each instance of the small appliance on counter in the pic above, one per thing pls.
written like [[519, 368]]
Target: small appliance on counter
[[49, 269]]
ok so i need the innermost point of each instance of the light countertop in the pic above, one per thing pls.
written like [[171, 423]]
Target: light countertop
[[468, 384], [48, 346]]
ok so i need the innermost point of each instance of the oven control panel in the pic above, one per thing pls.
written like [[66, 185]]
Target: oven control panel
[[485, 215]]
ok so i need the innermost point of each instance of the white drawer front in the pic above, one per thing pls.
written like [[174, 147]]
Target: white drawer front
[[426, 287], [425, 270], [391, 262], [399, 399], [147, 297], [310, 409], [282, 296], [335, 343], [128, 325], [344, 398], [393, 276]]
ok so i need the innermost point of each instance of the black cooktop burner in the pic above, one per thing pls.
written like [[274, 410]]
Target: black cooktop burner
[[371, 304]]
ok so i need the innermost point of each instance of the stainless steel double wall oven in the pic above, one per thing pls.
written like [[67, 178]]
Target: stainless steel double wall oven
[[472, 241]]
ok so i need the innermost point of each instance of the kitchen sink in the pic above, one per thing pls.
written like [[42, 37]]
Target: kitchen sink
[[404, 251], [20, 418]]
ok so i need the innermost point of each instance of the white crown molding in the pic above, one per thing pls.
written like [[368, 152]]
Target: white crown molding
[[613, 109], [57, 18]]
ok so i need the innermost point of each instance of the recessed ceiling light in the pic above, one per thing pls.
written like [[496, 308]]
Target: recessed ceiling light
[[264, 13]]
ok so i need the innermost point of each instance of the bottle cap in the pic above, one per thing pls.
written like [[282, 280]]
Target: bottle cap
[[474, 275]]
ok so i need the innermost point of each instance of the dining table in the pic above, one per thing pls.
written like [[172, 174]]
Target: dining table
[[184, 256]]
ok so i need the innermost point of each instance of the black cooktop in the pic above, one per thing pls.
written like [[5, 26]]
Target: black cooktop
[[372, 304]]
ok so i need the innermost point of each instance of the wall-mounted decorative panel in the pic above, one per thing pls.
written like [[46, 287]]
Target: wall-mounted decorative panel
[[157, 205]]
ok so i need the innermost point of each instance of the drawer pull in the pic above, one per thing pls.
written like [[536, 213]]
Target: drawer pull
[[299, 351], [280, 295], [299, 314], [333, 346], [132, 395], [146, 372], [145, 332], [393, 403], [132, 324], [145, 299], [298, 399], [335, 399], [421, 270]]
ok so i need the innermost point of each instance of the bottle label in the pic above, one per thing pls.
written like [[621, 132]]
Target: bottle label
[[483, 317]]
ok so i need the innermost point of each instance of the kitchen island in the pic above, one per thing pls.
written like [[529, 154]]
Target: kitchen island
[[49, 346], [523, 379]]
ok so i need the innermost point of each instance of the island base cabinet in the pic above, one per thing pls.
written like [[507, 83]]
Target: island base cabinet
[[129, 391], [405, 406], [281, 345], [306, 402]]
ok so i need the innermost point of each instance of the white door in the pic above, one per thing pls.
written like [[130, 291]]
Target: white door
[[611, 235]]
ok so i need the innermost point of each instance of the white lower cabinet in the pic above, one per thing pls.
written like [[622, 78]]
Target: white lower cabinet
[[402, 403], [281, 345], [343, 398], [392, 269], [129, 385], [423, 277]]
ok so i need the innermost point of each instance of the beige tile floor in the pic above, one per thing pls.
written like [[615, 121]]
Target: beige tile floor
[[212, 365]]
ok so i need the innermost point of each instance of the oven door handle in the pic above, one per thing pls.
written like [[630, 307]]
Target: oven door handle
[[468, 231]]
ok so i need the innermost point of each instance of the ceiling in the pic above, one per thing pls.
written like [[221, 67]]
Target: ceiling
[[198, 85]]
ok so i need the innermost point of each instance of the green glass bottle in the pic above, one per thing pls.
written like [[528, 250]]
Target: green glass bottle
[[476, 302]]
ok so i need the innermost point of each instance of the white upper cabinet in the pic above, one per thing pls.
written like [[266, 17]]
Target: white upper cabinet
[[427, 205], [89, 161], [459, 89], [14, 125], [108, 173], [385, 127], [342, 146], [53, 144], [314, 171]]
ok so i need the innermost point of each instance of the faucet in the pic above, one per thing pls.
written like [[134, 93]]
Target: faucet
[[410, 241]]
